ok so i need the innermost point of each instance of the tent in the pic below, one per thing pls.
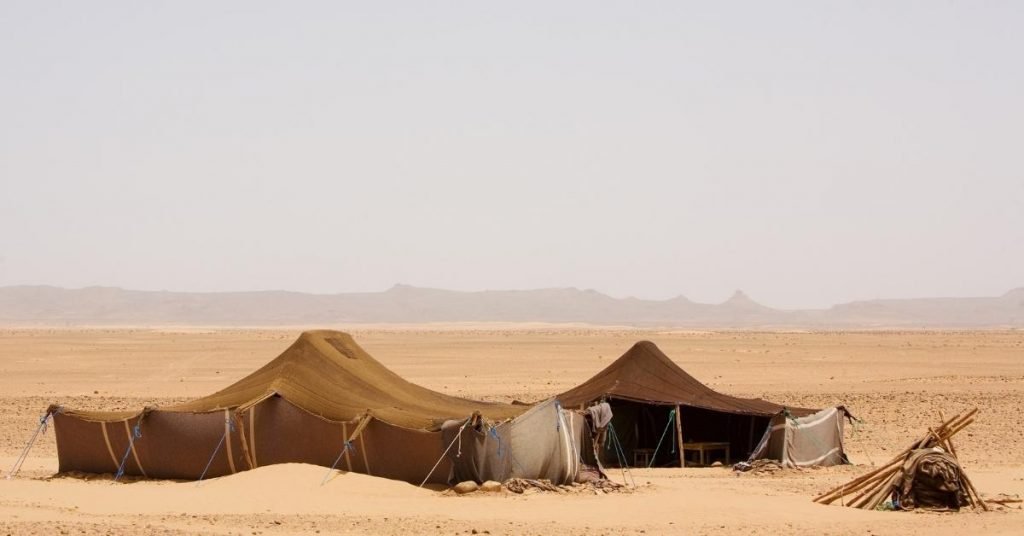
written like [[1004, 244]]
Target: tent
[[812, 440], [323, 401], [657, 405]]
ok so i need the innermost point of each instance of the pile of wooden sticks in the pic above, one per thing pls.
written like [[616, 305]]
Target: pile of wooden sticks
[[870, 490]]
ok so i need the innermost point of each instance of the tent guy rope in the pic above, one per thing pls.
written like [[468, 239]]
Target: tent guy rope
[[458, 437], [41, 429], [227, 429], [348, 447], [136, 434], [671, 420]]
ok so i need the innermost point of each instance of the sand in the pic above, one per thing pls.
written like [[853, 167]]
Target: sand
[[893, 380]]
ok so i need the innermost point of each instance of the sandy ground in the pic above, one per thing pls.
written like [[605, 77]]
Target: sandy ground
[[894, 381]]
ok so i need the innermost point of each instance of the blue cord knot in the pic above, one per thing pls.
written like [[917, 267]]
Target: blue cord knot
[[494, 433]]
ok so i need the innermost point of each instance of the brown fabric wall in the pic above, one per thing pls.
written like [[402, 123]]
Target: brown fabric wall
[[404, 454], [300, 407], [179, 445], [80, 446], [280, 432], [172, 445]]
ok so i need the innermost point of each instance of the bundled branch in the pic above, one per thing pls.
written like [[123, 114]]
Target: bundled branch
[[870, 490]]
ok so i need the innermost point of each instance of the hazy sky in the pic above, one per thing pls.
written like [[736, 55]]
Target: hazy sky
[[807, 152]]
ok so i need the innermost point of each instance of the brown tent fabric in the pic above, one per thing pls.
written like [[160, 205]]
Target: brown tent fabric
[[321, 392], [328, 375], [644, 387], [645, 374], [930, 479]]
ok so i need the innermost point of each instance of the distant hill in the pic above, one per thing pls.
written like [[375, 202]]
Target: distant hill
[[45, 305]]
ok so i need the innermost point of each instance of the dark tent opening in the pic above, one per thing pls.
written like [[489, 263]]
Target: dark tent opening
[[646, 435]]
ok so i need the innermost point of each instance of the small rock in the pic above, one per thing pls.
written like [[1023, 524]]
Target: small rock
[[716, 464], [490, 485], [463, 488]]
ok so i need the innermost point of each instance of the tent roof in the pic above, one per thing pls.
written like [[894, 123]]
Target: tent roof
[[645, 374], [327, 374]]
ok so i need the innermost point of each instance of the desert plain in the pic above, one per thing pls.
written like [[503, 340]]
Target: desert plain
[[894, 382]]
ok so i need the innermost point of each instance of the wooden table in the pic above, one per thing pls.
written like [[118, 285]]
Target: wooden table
[[701, 448], [642, 457]]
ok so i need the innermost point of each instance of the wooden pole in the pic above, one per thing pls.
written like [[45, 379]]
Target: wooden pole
[[883, 491], [679, 436], [870, 489], [949, 442], [844, 489], [976, 499]]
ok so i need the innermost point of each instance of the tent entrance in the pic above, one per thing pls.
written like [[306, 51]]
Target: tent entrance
[[741, 432], [639, 428]]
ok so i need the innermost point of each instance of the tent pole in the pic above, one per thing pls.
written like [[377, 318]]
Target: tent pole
[[679, 436]]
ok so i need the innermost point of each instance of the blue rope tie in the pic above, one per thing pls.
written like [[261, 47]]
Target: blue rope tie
[[136, 434], [494, 433], [348, 447], [503, 449], [231, 428]]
